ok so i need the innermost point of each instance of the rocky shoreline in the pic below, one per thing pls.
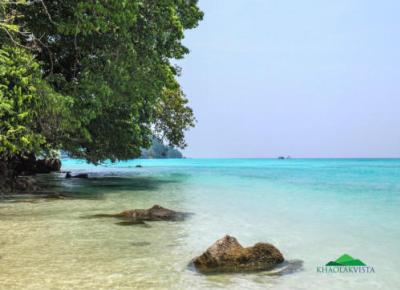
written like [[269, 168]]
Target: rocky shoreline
[[17, 174]]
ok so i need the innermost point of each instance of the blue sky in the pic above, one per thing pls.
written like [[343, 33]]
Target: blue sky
[[301, 78]]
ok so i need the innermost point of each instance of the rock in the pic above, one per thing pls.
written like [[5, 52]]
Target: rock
[[25, 164], [227, 255], [14, 172], [80, 175], [3, 169], [155, 213], [4, 178], [48, 165], [29, 165], [20, 184], [139, 166], [25, 184]]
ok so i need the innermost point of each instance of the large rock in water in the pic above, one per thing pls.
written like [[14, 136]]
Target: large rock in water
[[155, 213], [227, 255]]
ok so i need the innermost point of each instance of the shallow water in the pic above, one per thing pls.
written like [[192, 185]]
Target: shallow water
[[312, 210]]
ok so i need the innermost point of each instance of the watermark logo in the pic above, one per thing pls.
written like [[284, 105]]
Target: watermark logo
[[346, 264]]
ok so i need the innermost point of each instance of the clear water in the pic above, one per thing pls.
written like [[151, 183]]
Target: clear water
[[312, 210]]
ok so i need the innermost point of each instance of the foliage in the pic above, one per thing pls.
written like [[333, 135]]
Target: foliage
[[101, 69], [32, 115]]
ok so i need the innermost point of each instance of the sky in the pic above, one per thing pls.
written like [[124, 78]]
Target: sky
[[301, 78]]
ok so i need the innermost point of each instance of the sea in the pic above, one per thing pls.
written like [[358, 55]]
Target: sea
[[312, 210]]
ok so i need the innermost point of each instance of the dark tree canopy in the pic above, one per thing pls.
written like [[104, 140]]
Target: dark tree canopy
[[93, 78]]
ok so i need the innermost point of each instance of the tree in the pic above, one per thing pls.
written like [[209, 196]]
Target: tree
[[32, 115], [94, 77]]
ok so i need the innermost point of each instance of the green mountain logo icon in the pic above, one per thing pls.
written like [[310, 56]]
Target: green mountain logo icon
[[346, 260]]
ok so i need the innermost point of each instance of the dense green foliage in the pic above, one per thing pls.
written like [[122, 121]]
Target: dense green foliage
[[93, 78], [33, 116]]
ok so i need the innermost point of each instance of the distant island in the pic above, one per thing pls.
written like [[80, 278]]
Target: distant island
[[158, 150]]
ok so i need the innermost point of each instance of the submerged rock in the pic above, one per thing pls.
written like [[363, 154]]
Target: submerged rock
[[227, 255], [141, 244], [56, 195], [155, 213], [131, 223]]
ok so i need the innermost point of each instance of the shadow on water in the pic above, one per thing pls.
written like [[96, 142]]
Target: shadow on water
[[56, 188], [53, 196], [116, 183], [96, 187], [124, 183]]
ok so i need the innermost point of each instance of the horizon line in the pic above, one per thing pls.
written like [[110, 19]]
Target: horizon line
[[285, 158]]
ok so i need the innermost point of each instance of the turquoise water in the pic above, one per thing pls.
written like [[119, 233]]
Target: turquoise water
[[312, 209]]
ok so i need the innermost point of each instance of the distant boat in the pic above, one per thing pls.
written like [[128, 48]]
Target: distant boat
[[283, 157]]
